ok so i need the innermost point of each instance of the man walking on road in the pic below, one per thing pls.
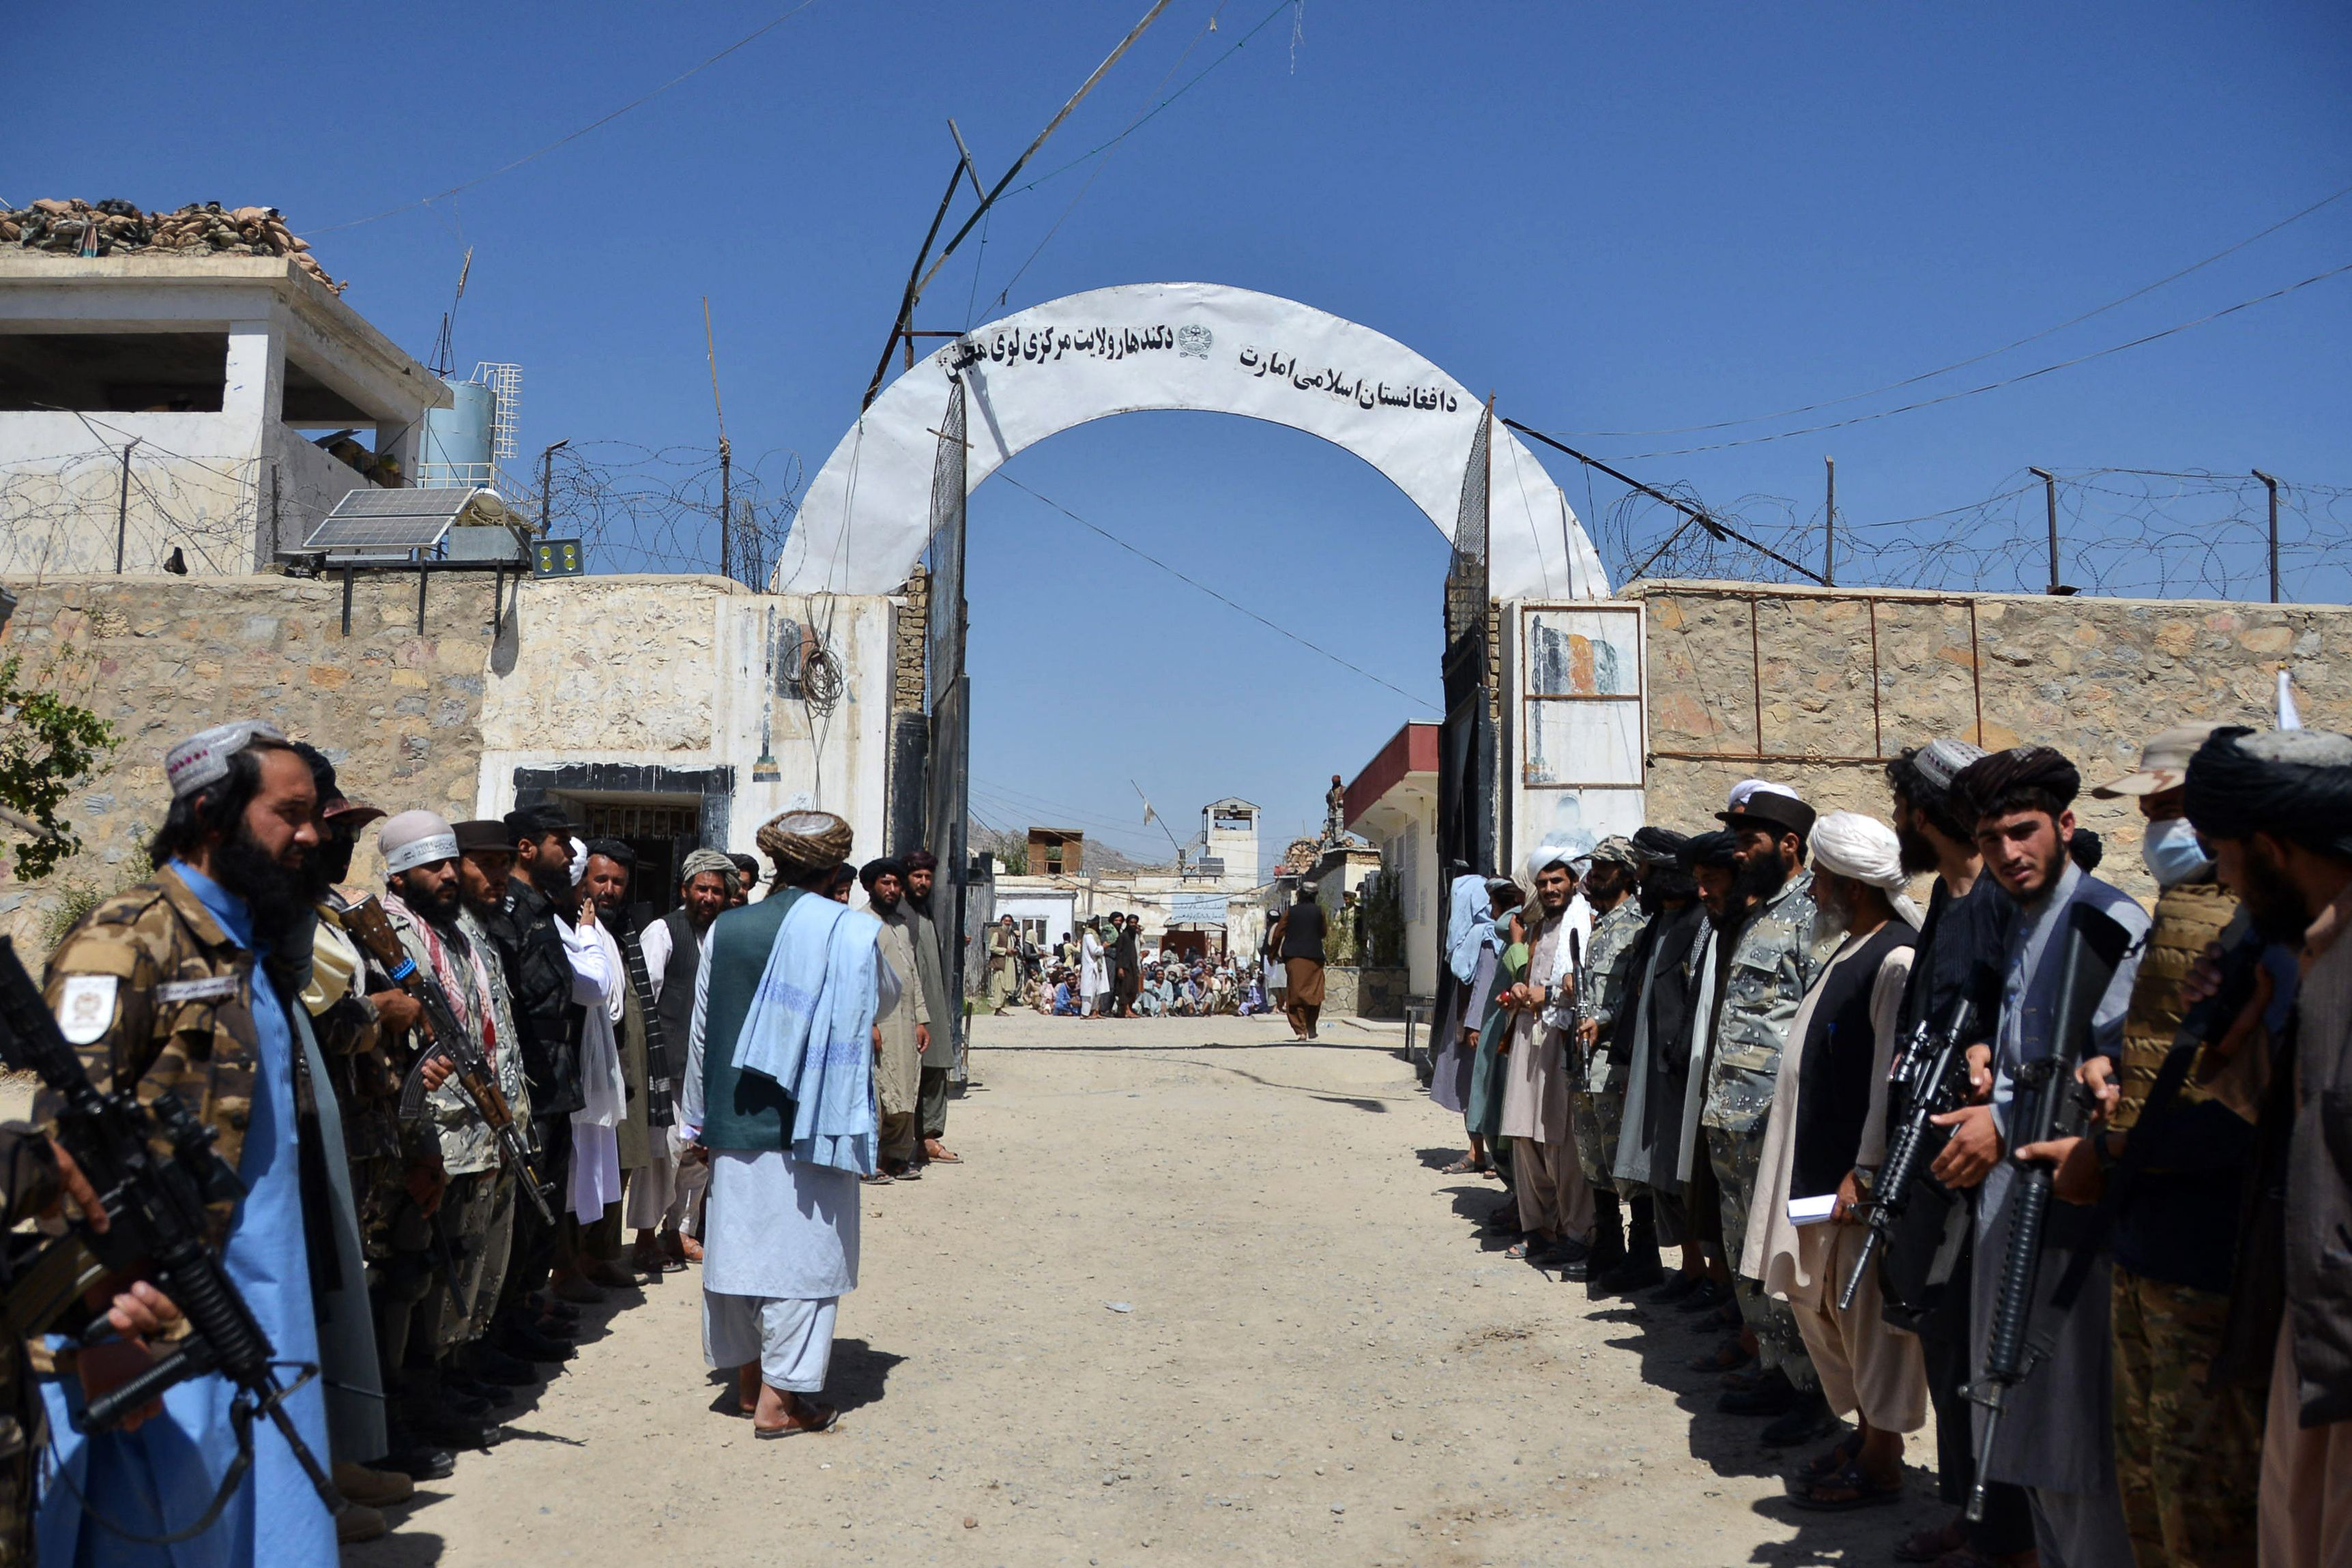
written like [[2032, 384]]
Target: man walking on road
[[1299, 934], [780, 1089]]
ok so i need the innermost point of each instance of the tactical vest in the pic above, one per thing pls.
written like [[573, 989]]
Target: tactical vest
[[2188, 916], [743, 1112]]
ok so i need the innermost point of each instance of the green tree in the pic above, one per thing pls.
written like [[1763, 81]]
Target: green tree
[[48, 747]]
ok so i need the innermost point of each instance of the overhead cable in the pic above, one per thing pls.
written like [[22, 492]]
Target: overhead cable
[[1989, 353]]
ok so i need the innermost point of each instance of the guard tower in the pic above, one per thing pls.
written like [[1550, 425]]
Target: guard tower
[[1229, 840]]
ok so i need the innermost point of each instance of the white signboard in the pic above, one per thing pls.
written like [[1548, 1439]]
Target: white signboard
[[1197, 346]]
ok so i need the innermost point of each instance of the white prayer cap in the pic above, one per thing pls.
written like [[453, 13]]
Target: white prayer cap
[[203, 758], [1940, 761], [578, 860], [415, 838]]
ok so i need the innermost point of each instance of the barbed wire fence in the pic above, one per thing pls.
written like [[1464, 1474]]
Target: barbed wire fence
[[648, 508], [2121, 532]]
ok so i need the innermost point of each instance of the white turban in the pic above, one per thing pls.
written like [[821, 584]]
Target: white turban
[[1863, 848], [579, 861], [1546, 855]]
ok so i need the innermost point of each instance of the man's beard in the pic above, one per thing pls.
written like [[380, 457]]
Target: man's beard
[[1760, 878], [1918, 851], [2272, 899], [278, 896], [919, 902], [440, 912], [556, 881], [883, 906]]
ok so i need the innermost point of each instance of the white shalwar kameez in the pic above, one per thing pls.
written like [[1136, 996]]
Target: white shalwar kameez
[[780, 1240], [597, 978]]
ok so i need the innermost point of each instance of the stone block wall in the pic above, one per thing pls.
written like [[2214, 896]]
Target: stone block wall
[[1741, 671], [398, 709]]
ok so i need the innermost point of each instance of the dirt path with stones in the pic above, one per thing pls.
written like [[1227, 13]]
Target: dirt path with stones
[[1199, 1296]]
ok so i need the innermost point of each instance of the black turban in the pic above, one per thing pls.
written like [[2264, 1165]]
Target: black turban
[[2024, 778], [1658, 846], [2295, 783], [1719, 849], [2087, 850], [921, 860], [874, 871], [614, 850]]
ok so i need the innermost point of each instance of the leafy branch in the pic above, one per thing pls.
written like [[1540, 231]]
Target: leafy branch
[[48, 747]]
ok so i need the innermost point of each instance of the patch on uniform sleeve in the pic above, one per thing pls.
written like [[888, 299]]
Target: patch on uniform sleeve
[[212, 989], [86, 1007]]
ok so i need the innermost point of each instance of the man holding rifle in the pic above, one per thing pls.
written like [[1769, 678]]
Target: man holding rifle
[[454, 1236], [181, 985], [2054, 1439]]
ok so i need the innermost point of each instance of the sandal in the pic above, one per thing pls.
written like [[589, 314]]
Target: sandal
[[822, 1418], [1851, 1479], [1934, 1545], [1462, 1167], [1518, 1250], [1827, 1463]]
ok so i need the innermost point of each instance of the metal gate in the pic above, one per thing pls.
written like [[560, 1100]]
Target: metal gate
[[947, 814], [1466, 772]]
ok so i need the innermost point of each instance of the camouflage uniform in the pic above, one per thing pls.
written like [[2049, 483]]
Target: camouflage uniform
[[2188, 1457], [149, 987], [29, 1184], [1774, 958], [1597, 1107]]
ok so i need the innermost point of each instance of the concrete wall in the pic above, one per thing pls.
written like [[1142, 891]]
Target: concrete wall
[[164, 656], [2092, 676], [659, 670]]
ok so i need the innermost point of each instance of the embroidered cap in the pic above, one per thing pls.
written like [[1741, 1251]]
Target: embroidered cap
[[415, 838], [203, 758]]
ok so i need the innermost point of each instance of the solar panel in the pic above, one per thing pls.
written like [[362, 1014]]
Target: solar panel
[[378, 520]]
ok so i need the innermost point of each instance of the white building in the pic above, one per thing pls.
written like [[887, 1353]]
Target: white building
[[1212, 906], [156, 402]]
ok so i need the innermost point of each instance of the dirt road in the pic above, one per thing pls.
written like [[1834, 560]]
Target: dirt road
[[1198, 1296]]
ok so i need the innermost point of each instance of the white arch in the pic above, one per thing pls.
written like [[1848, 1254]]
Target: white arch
[[1199, 346]]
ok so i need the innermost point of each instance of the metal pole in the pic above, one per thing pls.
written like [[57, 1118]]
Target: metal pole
[[276, 531], [2270, 483], [1828, 529], [726, 501], [122, 508], [2050, 502], [547, 480]]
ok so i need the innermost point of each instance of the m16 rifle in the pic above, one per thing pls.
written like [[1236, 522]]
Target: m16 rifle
[[155, 1173], [2095, 945], [1932, 1074], [444, 1036]]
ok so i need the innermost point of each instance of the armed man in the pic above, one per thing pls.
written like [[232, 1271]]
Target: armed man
[[2055, 1439], [1596, 1100], [181, 985]]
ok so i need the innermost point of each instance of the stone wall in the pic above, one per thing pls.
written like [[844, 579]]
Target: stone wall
[[160, 657], [2094, 677]]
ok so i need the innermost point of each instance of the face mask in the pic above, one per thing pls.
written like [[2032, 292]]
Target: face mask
[[2171, 852]]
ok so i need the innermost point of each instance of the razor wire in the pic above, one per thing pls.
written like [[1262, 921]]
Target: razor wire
[[2121, 532]]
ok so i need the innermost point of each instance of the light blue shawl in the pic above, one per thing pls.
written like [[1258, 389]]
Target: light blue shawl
[[810, 1027], [1469, 924]]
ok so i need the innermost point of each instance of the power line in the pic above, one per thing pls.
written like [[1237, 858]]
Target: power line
[[570, 137], [1989, 353], [1204, 587], [2142, 341]]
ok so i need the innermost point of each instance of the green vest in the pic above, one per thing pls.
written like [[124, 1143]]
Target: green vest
[[742, 1111]]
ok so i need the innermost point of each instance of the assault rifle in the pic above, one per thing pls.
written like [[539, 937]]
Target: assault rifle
[[155, 1205], [2095, 945], [1932, 1074], [372, 929]]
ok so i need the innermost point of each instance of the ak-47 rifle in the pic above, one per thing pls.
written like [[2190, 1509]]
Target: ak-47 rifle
[[372, 929], [1932, 1074], [1572, 1044], [2095, 945], [155, 1205]]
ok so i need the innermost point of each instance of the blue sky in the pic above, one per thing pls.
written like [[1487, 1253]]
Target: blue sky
[[1618, 218]]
